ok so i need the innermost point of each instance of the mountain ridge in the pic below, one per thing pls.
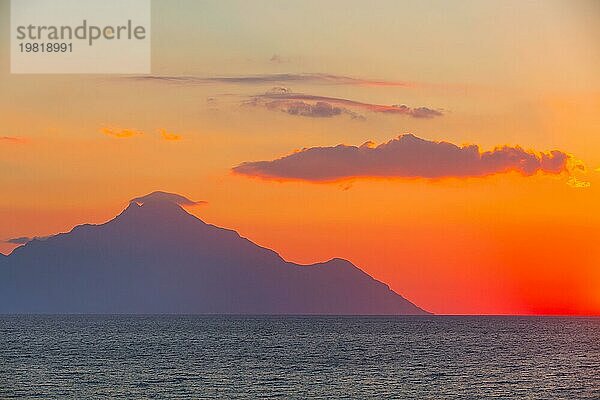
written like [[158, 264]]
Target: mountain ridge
[[155, 257]]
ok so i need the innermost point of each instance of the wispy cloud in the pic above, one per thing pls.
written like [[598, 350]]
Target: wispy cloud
[[278, 59], [165, 197], [313, 109], [25, 239], [260, 79], [298, 103], [19, 240], [169, 135], [283, 99], [404, 157], [120, 133], [11, 139], [576, 183]]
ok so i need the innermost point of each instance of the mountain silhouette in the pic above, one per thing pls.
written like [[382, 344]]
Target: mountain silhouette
[[155, 257]]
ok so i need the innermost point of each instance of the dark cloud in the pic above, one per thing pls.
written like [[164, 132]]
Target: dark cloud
[[423, 112], [404, 157], [319, 109], [282, 98], [330, 79]]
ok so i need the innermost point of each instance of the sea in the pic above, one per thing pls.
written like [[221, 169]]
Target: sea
[[298, 357]]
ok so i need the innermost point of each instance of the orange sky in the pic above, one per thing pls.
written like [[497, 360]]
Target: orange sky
[[75, 148]]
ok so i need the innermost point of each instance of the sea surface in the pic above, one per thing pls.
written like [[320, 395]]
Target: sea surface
[[198, 357]]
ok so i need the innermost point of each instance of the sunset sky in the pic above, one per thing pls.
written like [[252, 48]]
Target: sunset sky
[[511, 226]]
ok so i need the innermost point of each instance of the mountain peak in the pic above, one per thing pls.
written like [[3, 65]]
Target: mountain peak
[[155, 257], [158, 208], [165, 197]]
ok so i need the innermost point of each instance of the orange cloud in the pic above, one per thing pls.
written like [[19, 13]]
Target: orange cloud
[[405, 157], [121, 133], [168, 135]]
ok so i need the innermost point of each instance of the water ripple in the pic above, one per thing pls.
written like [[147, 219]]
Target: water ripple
[[192, 357]]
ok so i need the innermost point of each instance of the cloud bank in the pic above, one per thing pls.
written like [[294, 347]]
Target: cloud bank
[[404, 157], [309, 78]]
